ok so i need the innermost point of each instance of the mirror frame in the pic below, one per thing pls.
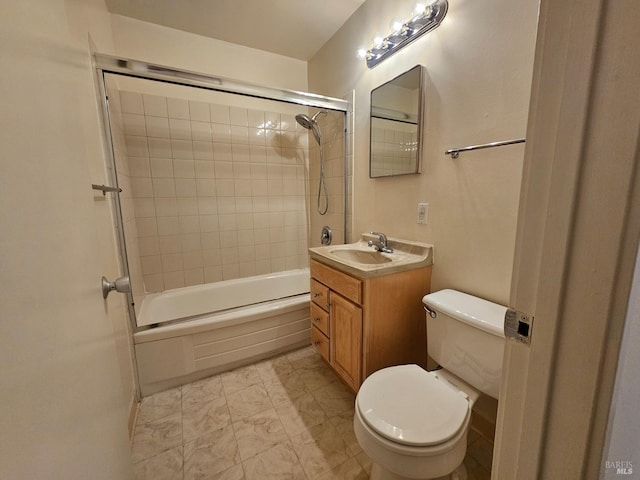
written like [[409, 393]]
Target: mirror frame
[[422, 77]]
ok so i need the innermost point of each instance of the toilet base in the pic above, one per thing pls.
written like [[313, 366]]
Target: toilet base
[[380, 473]]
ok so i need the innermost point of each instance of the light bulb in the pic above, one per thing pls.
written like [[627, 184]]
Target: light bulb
[[419, 8], [396, 24], [362, 53], [378, 40]]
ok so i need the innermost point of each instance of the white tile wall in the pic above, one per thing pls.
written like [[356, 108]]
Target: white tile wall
[[333, 140], [218, 192]]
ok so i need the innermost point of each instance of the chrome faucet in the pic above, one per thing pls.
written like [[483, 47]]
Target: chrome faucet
[[381, 245]]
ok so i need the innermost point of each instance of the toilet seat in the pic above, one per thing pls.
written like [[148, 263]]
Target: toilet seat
[[408, 405]]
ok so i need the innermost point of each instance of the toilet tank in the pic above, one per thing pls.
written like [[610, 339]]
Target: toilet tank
[[466, 337]]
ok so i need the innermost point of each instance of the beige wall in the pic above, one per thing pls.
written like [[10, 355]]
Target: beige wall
[[67, 382], [479, 64], [157, 44]]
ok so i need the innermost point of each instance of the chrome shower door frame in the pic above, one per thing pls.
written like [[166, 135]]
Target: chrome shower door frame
[[105, 64]]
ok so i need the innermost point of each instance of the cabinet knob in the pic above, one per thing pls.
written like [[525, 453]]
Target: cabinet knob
[[316, 319], [316, 294], [316, 343]]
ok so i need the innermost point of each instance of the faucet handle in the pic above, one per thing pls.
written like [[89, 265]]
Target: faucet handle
[[381, 246], [382, 236]]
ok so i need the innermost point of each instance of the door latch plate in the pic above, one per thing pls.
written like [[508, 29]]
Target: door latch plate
[[518, 325]]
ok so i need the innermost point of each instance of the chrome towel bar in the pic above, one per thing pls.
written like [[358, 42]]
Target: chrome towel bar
[[454, 152]]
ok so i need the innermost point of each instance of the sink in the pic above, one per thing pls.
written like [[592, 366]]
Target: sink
[[359, 256], [363, 261]]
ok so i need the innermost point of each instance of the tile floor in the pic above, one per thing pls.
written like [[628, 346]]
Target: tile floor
[[288, 417]]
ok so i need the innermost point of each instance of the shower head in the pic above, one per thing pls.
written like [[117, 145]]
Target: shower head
[[305, 121], [310, 123]]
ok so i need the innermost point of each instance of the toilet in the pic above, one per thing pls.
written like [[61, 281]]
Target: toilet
[[413, 423]]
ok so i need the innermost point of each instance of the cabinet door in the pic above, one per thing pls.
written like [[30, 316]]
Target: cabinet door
[[346, 339]]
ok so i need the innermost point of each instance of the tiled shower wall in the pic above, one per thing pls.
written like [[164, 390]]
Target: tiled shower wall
[[218, 191], [332, 127]]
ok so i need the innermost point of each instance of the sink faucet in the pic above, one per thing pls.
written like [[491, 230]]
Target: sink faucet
[[381, 245]]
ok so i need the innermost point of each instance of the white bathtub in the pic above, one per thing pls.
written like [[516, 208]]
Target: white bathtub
[[211, 328]]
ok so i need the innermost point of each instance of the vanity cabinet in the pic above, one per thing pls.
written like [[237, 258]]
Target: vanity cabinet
[[360, 325], [336, 318]]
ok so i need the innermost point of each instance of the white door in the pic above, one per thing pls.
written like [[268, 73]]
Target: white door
[[578, 230], [64, 380]]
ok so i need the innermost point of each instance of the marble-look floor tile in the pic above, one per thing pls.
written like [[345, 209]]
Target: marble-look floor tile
[[349, 470], [240, 378], [335, 398], [204, 417], [259, 433], [247, 402], [475, 470], [234, 473], [344, 425], [320, 449], [300, 414], [277, 463], [159, 405], [166, 466], [306, 358], [317, 378], [155, 437], [210, 454], [285, 389], [291, 414], [365, 461], [203, 390], [274, 369], [481, 451]]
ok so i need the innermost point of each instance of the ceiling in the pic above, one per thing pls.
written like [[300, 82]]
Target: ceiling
[[294, 28]]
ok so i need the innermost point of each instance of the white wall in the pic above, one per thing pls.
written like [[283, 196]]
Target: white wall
[[66, 385], [479, 62]]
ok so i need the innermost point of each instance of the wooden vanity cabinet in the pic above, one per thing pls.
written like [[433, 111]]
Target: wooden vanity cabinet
[[362, 325]]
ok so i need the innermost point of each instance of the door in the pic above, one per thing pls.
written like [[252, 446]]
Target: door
[[66, 373], [578, 230], [346, 339]]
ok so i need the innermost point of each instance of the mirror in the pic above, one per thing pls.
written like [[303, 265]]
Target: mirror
[[396, 119]]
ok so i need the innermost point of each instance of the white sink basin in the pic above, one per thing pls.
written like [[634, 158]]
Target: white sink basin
[[360, 260], [360, 256]]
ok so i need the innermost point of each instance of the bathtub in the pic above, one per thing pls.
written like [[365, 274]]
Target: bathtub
[[198, 331]]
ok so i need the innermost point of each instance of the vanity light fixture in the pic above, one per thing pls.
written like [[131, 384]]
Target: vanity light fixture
[[425, 19]]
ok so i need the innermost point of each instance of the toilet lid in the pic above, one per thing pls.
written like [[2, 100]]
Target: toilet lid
[[409, 405]]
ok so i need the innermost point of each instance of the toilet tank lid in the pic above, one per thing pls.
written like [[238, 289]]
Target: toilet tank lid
[[474, 311]]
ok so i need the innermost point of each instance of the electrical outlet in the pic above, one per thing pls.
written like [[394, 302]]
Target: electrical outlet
[[423, 213]]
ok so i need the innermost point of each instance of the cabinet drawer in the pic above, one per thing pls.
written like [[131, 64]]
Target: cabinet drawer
[[320, 343], [345, 285], [320, 319], [320, 294]]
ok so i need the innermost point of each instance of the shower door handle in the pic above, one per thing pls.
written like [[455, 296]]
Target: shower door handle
[[122, 285]]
